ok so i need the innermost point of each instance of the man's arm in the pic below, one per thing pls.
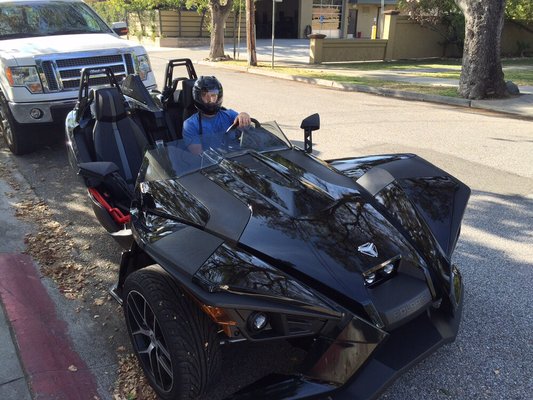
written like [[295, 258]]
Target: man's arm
[[191, 134]]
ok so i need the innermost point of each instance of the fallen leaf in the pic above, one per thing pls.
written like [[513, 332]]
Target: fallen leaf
[[99, 302]]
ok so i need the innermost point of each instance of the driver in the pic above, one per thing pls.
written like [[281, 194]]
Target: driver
[[211, 121]]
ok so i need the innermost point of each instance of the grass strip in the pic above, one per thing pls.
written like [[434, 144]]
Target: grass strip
[[520, 71]]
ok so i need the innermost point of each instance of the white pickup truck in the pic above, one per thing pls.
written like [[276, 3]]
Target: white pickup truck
[[44, 45]]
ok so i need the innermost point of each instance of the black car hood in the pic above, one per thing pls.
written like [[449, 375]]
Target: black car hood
[[309, 220]]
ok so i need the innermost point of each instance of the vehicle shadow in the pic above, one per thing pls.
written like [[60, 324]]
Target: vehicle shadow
[[494, 255]]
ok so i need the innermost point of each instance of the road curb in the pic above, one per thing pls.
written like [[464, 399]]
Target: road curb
[[400, 94], [54, 370]]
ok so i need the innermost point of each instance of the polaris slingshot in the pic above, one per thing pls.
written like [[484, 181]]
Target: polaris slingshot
[[258, 240]]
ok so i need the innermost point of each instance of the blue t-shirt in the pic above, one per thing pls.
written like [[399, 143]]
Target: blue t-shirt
[[213, 128]]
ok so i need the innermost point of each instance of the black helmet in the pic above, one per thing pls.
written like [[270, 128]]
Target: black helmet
[[207, 94]]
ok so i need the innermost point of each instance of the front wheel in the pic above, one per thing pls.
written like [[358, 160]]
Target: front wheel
[[176, 344], [16, 140]]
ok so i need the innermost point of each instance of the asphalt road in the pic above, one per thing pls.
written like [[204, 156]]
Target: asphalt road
[[492, 357]]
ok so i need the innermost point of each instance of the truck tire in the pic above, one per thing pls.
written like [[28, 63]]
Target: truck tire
[[18, 141]]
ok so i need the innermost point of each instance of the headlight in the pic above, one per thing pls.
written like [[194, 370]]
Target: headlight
[[233, 270], [381, 272], [24, 76], [142, 64]]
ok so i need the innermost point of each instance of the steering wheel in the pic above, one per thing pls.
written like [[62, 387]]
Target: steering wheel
[[242, 135], [236, 124]]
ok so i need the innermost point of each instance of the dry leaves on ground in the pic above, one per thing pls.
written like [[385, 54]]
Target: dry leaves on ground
[[132, 383], [52, 247]]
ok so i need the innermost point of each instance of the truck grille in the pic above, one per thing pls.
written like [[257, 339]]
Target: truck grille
[[65, 74]]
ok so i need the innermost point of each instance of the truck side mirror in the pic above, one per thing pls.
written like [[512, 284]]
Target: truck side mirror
[[120, 28], [310, 124]]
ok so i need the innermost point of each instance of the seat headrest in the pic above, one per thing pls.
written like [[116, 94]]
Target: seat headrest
[[186, 93], [109, 105]]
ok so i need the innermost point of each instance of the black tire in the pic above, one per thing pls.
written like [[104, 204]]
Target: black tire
[[176, 344], [16, 140]]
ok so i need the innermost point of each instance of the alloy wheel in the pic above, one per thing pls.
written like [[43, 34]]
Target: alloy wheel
[[149, 342]]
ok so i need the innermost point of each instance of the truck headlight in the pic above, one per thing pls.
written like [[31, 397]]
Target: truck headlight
[[24, 76], [142, 64]]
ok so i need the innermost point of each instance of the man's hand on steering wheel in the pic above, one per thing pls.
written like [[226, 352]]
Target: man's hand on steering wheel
[[243, 120]]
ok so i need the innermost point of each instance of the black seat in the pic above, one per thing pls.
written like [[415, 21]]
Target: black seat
[[179, 105], [186, 99], [117, 138]]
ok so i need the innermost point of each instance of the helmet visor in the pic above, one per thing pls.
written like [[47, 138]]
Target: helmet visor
[[210, 96]]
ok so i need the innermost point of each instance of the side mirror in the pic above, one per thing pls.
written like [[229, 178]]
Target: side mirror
[[310, 124], [120, 28]]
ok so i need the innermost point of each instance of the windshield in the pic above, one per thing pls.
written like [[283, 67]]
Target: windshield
[[173, 159], [19, 20]]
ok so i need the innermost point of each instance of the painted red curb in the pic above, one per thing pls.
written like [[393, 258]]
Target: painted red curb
[[44, 345]]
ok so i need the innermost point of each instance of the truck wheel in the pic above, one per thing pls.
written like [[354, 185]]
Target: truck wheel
[[175, 343], [17, 142]]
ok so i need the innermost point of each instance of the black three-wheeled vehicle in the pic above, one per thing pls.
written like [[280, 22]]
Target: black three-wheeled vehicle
[[258, 240]]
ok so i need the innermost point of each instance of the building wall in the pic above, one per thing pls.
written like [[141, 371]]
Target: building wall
[[514, 33], [415, 41], [404, 39], [306, 12], [332, 50], [365, 20]]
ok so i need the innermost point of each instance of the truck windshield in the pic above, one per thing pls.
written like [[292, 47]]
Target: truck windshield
[[19, 20]]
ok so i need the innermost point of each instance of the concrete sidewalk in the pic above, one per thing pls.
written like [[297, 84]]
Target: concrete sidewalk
[[295, 53], [38, 358], [13, 383]]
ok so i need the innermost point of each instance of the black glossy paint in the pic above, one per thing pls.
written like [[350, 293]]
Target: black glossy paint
[[276, 230], [310, 224], [294, 229]]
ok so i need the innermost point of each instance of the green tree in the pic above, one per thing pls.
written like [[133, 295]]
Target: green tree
[[519, 10], [140, 8], [110, 10], [441, 16]]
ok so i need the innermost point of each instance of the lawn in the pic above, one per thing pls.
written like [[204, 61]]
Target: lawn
[[518, 70]]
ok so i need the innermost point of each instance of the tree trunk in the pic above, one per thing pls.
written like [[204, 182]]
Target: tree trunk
[[219, 14], [250, 32], [482, 75], [201, 33]]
